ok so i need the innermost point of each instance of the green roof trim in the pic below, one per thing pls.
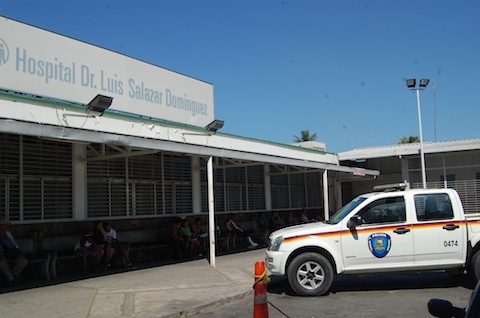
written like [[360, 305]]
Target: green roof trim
[[38, 100]]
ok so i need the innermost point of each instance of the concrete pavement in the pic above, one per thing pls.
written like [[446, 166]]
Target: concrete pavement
[[176, 290]]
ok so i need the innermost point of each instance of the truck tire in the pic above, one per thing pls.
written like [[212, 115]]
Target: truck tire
[[475, 265], [310, 274]]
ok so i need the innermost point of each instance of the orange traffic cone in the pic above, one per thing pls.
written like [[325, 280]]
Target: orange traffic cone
[[260, 305]]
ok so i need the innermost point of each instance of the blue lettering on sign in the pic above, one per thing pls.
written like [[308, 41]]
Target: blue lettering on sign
[[57, 70], [379, 244], [141, 92], [186, 104], [111, 84], [87, 77], [48, 70], [4, 52]]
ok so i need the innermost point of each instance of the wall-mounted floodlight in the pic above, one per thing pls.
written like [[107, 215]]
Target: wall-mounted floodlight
[[214, 125], [100, 103]]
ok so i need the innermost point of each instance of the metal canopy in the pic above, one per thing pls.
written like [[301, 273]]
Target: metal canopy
[[141, 144]]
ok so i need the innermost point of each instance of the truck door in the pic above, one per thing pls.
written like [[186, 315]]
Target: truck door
[[382, 240], [440, 235]]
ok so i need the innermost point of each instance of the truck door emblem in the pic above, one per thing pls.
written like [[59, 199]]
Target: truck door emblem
[[379, 244]]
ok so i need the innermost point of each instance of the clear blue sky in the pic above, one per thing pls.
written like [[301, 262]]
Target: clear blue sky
[[334, 67]]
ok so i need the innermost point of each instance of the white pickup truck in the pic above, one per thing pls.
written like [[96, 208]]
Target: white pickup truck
[[380, 232]]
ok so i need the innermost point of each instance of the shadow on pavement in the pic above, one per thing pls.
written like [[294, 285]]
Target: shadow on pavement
[[416, 280], [29, 283]]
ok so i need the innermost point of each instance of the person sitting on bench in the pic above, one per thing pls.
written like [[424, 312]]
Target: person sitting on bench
[[233, 227]]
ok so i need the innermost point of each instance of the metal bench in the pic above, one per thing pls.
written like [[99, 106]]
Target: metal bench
[[146, 244], [60, 248], [38, 259]]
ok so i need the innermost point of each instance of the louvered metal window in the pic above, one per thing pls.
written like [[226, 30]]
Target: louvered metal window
[[178, 184], [469, 192], [295, 189], [314, 189], [256, 188], [35, 178], [10, 162], [280, 191], [237, 188], [138, 185], [145, 185], [298, 190], [106, 184], [218, 190]]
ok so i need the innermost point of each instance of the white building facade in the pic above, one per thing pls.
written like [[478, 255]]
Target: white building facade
[[144, 156], [452, 164]]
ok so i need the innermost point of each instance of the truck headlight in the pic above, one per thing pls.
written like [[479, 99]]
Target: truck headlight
[[275, 245]]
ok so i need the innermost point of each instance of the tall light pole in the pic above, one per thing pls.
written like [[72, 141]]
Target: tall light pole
[[412, 85]]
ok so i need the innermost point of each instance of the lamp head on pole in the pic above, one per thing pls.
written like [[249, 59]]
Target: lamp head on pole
[[411, 83], [424, 82]]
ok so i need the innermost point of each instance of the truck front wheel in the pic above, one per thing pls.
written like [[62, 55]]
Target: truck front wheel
[[475, 265], [310, 274]]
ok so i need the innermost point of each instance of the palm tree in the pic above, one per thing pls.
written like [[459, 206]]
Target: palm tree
[[409, 140], [305, 136]]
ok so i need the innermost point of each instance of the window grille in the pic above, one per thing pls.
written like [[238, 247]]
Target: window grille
[[314, 189], [294, 189], [280, 192], [256, 187], [36, 178], [145, 185], [106, 185], [10, 176], [218, 190], [297, 190], [178, 184], [153, 184]]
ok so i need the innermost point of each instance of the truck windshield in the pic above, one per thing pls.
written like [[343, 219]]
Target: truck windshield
[[340, 214]]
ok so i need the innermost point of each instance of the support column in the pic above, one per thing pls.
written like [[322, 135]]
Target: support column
[[404, 167], [326, 214], [211, 211], [196, 185], [267, 187], [79, 182]]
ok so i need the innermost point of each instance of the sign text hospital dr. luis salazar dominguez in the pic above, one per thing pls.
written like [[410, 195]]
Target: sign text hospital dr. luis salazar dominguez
[[43, 63]]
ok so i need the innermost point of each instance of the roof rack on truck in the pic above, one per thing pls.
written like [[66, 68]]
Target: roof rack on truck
[[392, 187]]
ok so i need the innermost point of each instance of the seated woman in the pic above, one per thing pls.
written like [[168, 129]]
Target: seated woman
[[200, 234], [89, 251], [193, 245], [276, 221]]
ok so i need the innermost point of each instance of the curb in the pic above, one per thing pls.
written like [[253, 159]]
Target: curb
[[191, 312]]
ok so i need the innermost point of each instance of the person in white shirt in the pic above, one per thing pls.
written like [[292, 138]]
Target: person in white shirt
[[113, 246]]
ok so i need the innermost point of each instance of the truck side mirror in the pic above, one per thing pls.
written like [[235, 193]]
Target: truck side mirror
[[444, 308], [354, 221]]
